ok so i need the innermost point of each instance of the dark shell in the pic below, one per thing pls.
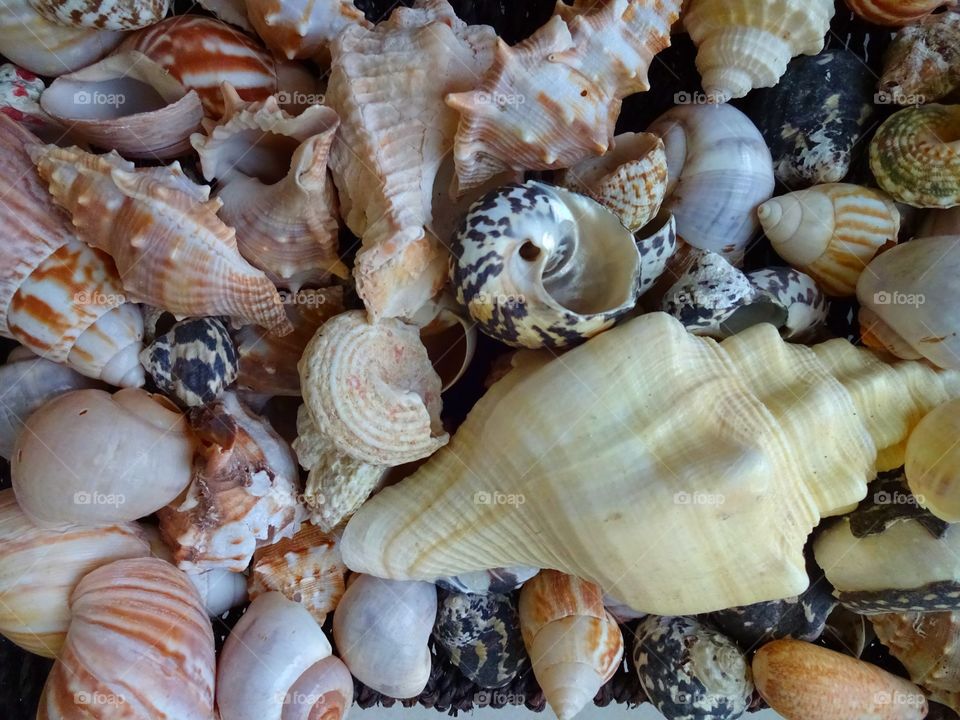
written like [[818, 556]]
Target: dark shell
[[481, 582], [481, 636], [814, 118], [194, 362], [691, 672], [944, 595], [889, 500]]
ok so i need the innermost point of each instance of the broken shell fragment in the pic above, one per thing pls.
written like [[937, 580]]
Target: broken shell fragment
[[806, 306], [922, 64], [933, 462], [498, 580], [450, 336], [895, 13], [657, 243]]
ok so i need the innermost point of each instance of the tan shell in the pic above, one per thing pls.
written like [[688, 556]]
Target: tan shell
[[302, 28], [103, 14], [933, 462], [896, 13], [922, 63]]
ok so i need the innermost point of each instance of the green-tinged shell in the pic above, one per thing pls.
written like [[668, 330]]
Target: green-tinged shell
[[915, 156]]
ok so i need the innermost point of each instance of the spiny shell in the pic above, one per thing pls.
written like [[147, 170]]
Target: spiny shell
[[831, 232], [103, 14], [164, 234], [302, 28], [140, 646], [923, 63], [806, 682], [915, 156], [933, 462], [483, 582], [896, 12], [744, 44], [481, 636], [195, 362], [540, 266], [690, 672]]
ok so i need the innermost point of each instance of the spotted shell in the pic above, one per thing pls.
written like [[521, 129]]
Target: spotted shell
[[20, 92], [806, 306], [482, 582], [922, 63], [103, 14], [657, 243], [895, 13]]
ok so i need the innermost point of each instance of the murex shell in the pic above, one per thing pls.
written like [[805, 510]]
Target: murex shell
[[922, 63], [541, 266], [933, 462], [744, 446], [896, 12]]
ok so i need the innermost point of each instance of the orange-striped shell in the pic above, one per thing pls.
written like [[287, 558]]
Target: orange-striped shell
[[896, 13]]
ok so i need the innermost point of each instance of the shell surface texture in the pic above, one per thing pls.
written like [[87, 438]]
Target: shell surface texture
[[896, 13], [806, 306], [20, 92], [103, 14], [933, 462], [304, 28], [163, 232], [658, 243], [541, 266], [923, 63], [500, 581]]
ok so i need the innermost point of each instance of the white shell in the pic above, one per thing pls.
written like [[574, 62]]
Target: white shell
[[103, 14]]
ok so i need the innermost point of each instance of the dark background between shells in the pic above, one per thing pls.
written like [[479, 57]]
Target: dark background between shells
[[22, 675]]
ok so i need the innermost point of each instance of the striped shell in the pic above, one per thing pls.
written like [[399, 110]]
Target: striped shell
[[831, 232], [103, 14], [915, 156], [933, 462], [922, 63], [139, 647], [302, 28], [895, 13]]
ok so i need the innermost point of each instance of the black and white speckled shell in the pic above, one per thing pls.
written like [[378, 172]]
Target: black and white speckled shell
[[888, 501], [935, 597], [814, 118], [194, 362], [498, 580], [806, 305], [689, 671], [481, 636], [657, 242]]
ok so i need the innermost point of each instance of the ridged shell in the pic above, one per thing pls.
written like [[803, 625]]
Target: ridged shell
[[140, 646], [164, 234], [541, 266], [387, 85], [103, 14], [574, 644], [243, 493], [483, 582], [302, 28], [915, 156], [922, 63], [806, 682], [933, 462], [895, 13], [831, 232], [40, 568]]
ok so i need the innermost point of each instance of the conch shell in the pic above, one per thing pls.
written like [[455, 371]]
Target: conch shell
[[103, 14], [302, 28], [714, 430], [164, 234], [746, 44], [922, 63], [933, 462], [272, 169], [574, 644], [140, 646], [895, 13], [387, 85]]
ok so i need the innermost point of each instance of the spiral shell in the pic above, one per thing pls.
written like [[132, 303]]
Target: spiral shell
[[922, 63], [302, 28], [896, 13], [933, 462]]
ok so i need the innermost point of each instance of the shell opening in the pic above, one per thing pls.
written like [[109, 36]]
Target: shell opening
[[762, 311], [265, 156], [106, 99]]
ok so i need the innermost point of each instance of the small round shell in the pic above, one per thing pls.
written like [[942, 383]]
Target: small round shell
[[482, 582], [933, 461], [540, 266]]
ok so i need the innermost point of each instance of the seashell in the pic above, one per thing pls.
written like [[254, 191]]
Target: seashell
[[28, 382], [306, 568], [761, 461], [807, 307], [689, 671], [140, 646], [371, 389], [35, 607], [500, 581], [847, 632], [202, 53], [58, 297], [921, 64], [127, 103], [831, 232], [449, 335], [888, 502], [46, 48], [108, 481], [277, 664], [20, 92], [621, 612], [220, 590], [481, 636], [815, 117], [395, 133], [302, 29], [719, 171], [801, 681], [243, 493], [164, 234], [933, 462], [657, 243], [272, 169], [230, 11], [194, 362], [630, 180], [574, 644], [915, 159], [742, 45], [927, 645], [552, 100], [902, 295], [896, 13], [103, 14], [540, 266], [940, 222], [382, 628]]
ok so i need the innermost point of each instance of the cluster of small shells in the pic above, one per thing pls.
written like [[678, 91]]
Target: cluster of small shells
[[217, 401]]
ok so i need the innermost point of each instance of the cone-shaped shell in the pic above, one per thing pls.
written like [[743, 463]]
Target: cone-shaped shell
[[722, 435], [933, 462], [895, 13], [103, 14], [831, 232], [302, 28], [923, 62]]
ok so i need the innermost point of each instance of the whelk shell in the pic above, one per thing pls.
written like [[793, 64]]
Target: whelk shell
[[923, 63], [103, 14], [302, 28], [933, 462], [896, 12]]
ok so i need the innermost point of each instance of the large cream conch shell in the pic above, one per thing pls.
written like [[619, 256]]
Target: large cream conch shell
[[302, 28], [649, 437], [747, 44], [932, 462]]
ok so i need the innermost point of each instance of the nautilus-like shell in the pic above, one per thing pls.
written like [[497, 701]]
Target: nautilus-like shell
[[831, 232], [108, 481], [302, 28], [103, 14], [163, 232], [541, 266], [140, 646], [272, 172], [715, 430], [896, 12], [574, 644], [243, 493], [388, 85], [58, 297], [40, 568], [747, 44], [922, 63], [915, 156], [720, 171], [933, 462]]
